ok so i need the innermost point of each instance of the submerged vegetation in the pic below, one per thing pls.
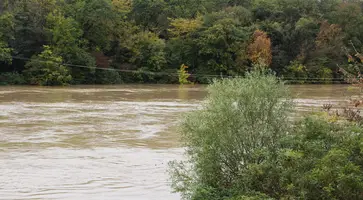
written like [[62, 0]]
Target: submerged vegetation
[[148, 40], [243, 145]]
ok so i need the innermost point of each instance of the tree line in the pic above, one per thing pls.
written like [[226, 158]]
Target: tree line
[[57, 42]]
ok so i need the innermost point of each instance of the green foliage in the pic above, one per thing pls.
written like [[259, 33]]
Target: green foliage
[[183, 75], [97, 19], [6, 35], [47, 69], [29, 20], [242, 145], [219, 43], [150, 14], [252, 197], [5, 53], [212, 37], [186, 8], [65, 36], [64, 33], [7, 26], [241, 117], [320, 160], [12, 78], [148, 52], [107, 77], [326, 74], [296, 72], [182, 27]]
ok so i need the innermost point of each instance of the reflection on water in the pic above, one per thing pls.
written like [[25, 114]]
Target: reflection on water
[[103, 142]]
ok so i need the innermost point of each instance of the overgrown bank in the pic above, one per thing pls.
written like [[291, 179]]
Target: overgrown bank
[[242, 146], [52, 42]]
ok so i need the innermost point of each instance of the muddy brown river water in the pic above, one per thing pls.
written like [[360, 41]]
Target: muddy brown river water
[[103, 142]]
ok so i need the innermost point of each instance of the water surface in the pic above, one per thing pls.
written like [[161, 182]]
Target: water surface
[[103, 142]]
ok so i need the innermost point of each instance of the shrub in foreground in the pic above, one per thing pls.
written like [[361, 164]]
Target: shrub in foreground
[[241, 145], [318, 160], [240, 118]]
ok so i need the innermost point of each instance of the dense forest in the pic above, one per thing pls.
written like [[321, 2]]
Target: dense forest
[[57, 42]]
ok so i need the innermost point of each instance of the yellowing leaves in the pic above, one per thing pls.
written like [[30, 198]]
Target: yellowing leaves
[[329, 34], [360, 56], [350, 58], [182, 27], [259, 50], [183, 75], [122, 6]]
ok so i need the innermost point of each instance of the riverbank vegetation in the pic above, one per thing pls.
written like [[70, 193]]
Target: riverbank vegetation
[[243, 145], [146, 41]]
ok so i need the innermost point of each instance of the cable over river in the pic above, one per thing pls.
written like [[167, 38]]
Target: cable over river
[[103, 142]]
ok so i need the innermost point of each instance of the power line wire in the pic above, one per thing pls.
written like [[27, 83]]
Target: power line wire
[[177, 74]]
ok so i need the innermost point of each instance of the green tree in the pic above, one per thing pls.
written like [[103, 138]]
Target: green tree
[[296, 72], [148, 52], [151, 15], [213, 46], [320, 160], [323, 59], [5, 53], [210, 36], [185, 8], [65, 37], [30, 17], [183, 75], [241, 117], [6, 36], [47, 69], [244, 137], [348, 15], [97, 19], [181, 27], [220, 42]]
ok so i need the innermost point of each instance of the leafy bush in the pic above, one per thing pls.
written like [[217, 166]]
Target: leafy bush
[[183, 75], [6, 26], [321, 160], [296, 72], [242, 146], [241, 117], [148, 52], [47, 69], [5, 53], [325, 74], [109, 76], [11, 78]]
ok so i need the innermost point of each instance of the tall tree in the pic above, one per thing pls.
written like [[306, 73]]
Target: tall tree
[[6, 36], [65, 38], [260, 49]]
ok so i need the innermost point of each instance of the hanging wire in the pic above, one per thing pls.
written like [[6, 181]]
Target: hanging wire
[[287, 79]]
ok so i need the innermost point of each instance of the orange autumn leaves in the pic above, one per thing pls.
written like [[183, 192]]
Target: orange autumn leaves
[[259, 50]]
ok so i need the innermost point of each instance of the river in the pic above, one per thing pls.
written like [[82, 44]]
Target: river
[[103, 142]]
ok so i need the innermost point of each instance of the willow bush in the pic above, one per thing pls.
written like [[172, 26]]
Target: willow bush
[[240, 118], [242, 145], [319, 160]]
